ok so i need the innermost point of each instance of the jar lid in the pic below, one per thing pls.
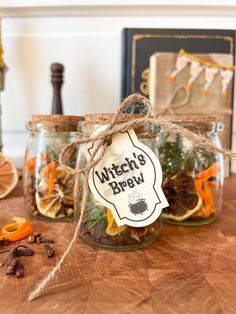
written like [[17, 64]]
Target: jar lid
[[56, 118], [54, 123], [105, 118]]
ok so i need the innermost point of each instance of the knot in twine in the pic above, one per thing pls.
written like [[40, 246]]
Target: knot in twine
[[101, 141]]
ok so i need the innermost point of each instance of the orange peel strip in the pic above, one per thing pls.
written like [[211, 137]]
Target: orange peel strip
[[46, 170], [18, 230], [210, 172]]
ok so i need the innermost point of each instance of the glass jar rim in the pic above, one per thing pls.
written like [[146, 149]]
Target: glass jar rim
[[199, 123], [195, 126]]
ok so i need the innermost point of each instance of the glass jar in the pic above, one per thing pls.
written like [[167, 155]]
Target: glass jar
[[48, 188], [192, 176], [98, 227]]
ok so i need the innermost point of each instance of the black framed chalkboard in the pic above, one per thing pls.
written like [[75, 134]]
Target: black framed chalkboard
[[139, 44]]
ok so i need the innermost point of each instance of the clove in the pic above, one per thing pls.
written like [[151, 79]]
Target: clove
[[19, 269], [49, 250], [25, 252], [10, 256], [4, 242], [11, 266], [31, 238], [48, 241], [34, 238], [20, 250], [38, 239]]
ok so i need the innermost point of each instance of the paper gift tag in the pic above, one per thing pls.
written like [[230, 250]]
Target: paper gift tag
[[128, 180]]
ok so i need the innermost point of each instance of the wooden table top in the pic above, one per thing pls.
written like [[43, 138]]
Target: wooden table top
[[187, 270]]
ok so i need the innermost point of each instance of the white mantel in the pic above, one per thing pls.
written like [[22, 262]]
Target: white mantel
[[29, 8], [86, 37]]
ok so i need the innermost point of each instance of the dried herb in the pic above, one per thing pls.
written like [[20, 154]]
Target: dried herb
[[171, 155], [174, 156]]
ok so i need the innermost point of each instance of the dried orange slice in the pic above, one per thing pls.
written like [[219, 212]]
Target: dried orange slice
[[8, 175], [184, 214], [57, 203], [112, 228]]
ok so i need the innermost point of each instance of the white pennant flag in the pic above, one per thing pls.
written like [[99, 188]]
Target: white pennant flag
[[210, 75], [195, 69], [226, 77], [181, 63]]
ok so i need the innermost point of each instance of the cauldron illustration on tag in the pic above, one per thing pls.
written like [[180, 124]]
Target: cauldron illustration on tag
[[138, 207]]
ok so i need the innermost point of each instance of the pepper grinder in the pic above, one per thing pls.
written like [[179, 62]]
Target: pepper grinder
[[57, 81]]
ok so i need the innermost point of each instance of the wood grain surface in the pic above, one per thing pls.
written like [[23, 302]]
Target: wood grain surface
[[187, 270]]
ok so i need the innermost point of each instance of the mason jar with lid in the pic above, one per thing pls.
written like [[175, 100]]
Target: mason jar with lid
[[48, 188], [98, 227], [192, 175]]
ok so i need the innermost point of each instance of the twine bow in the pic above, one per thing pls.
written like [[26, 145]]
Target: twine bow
[[101, 141]]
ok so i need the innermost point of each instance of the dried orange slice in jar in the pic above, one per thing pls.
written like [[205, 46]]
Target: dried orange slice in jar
[[56, 201], [183, 213], [184, 201], [8, 175]]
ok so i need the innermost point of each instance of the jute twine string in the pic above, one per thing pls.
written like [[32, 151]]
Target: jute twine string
[[101, 141]]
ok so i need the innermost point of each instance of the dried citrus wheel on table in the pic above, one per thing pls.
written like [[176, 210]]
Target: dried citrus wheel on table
[[112, 228], [8, 175]]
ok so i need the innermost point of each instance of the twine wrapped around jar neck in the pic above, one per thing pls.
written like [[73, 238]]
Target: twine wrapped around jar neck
[[91, 121]]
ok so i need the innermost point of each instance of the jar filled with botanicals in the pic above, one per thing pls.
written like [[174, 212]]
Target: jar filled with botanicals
[[124, 202], [192, 175], [48, 188]]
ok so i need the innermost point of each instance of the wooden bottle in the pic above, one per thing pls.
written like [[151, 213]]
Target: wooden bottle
[[57, 81]]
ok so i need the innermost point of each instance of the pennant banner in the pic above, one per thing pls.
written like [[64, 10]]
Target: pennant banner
[[197, 66], [226, 78], [195, 70], [210, 74], [180, 64]]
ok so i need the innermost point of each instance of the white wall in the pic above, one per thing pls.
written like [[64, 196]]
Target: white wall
[[87, 40]]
